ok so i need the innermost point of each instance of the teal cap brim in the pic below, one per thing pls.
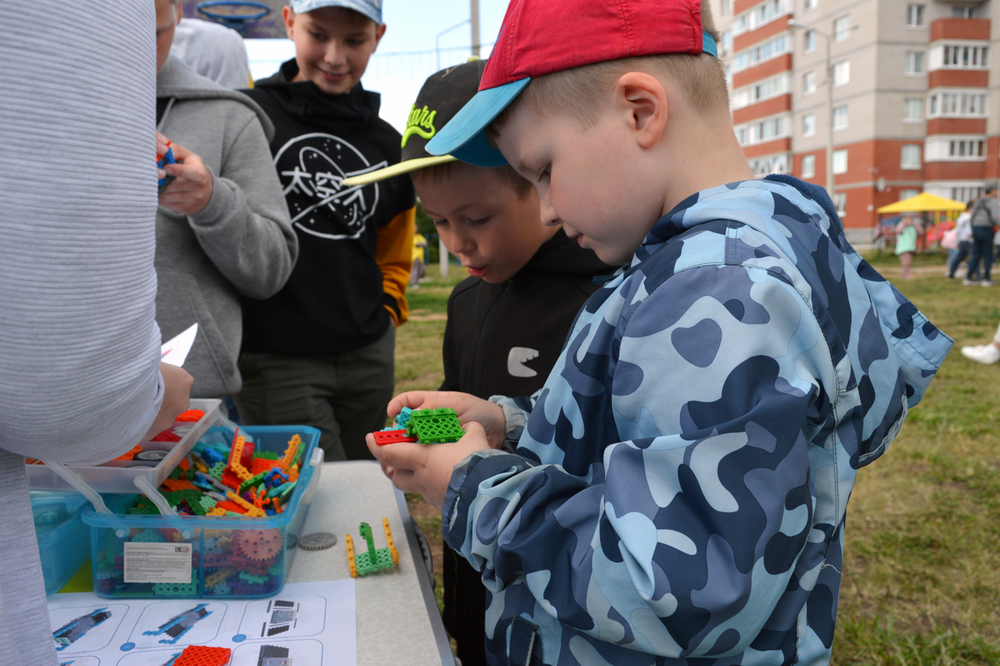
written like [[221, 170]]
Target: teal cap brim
[[465, 137]]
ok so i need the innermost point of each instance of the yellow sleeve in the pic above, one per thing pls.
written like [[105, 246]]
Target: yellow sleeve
[[394, 254]]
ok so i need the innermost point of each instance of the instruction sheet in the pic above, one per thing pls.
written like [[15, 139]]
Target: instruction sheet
[[310, 624]]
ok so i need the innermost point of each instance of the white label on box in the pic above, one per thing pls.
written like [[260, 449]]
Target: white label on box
[[158, 562]]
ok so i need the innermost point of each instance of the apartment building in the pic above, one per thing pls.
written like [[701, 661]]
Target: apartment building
[[907, 92]]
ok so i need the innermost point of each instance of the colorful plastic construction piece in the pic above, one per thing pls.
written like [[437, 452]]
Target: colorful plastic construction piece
[[234, 459], [200, 655], [191, 415], [374, 560], [74, 630], [293, 447], [383, 437], [251, 510], [435, 426], [178, 625]]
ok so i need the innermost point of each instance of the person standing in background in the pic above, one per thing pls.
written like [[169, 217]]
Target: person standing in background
[[908, 231], [80, 377], [985, 216]]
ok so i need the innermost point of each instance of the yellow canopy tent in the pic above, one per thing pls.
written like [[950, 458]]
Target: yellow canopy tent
[[922, 203]]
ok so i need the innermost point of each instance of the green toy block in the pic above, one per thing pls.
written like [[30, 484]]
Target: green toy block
[[373, 560], [265, 455], [216, 470], [252, 482], [435, 426], [144, 510]]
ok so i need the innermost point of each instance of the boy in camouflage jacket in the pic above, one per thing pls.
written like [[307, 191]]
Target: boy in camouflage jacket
[[679, 488]]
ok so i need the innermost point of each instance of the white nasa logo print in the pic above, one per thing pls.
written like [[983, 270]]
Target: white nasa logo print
[[516, 361], [312, 169]]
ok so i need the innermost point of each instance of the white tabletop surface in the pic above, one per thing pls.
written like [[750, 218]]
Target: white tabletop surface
[[398, 619]]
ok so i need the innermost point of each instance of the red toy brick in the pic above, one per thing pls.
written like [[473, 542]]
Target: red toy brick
[[199, 655], [383, 437], [246, 458]]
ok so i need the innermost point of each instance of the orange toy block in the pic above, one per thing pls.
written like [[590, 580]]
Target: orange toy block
[[184, 464], [128, 456], [293, 446], [217, 511], [191, 416], [235, 456], [230, 479], [200, 655], [178, 484], [263, 464], [230, 506], [251, 510]]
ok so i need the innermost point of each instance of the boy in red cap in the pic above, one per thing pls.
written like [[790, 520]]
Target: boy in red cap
[[679, 487]]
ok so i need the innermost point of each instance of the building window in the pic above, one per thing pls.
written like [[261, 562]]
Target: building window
[[963, 56], [841, 73], [809, 40], [911, 109], [952, 149], [808, 83], [727, 6], [809, 166], [841, 28], [812, 4], [908, 194], [727, 42], [840, 161], [966, 148], [760, 53], [772, 87], [741, 135], [915, 16], [762, 166], [840, 203], [809, 124], [911, 157], [766, 130], [914, 62], [958, 105], [840, 117], [966, 193], [963, 11]]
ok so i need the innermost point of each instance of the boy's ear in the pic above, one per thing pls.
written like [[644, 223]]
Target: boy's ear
[[643, 100], [288, 16], [379, 32]]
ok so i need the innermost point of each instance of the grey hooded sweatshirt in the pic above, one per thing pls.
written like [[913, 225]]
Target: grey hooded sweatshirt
[[242, 242]]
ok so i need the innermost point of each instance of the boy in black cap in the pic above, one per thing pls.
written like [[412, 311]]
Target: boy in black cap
[[507, 322]]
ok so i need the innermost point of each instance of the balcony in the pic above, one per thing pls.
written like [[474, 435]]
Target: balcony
[[960, 28]]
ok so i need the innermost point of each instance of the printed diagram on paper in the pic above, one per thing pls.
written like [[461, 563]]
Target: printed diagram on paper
[[310, 624]]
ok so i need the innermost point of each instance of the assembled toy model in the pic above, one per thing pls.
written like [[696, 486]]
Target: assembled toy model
[[374, 560]]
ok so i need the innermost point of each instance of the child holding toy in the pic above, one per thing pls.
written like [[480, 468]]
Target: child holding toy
[[507, 321], [679, 487]]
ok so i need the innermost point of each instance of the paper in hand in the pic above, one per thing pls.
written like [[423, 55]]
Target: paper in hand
[[175, 351]]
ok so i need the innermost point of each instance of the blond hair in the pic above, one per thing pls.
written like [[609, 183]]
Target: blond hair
[[578, 91]]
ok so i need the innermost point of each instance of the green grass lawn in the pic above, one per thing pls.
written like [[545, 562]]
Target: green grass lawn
[[921, 572]]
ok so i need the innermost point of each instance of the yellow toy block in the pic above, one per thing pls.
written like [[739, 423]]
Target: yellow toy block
[[293, 446], [350, 556], [388, 540], [218, 511], [252, 511], [234, 460]]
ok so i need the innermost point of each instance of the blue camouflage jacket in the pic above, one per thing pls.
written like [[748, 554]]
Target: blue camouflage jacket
[[679, 488]]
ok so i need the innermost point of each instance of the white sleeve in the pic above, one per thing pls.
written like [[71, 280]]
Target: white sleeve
[[79, 346]]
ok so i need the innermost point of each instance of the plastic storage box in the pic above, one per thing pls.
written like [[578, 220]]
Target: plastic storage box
[[152, 463], [63, 539], [202, 556]]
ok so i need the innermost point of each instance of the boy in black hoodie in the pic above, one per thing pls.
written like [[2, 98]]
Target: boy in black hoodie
[[321, 351], [507, 322]]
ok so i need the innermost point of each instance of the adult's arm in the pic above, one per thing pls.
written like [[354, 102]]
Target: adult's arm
[[79, 346]]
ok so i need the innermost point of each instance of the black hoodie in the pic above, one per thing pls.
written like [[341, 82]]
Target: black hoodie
[[354, 252], [503, 339]]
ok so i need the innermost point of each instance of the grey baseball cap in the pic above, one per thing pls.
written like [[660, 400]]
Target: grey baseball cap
[[370, 8]]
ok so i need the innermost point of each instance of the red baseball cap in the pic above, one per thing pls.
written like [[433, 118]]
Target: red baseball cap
[[540, 37]]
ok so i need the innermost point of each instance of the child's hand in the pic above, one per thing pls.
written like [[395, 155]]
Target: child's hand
[[426, 469], [192, 189], [468, 408]]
